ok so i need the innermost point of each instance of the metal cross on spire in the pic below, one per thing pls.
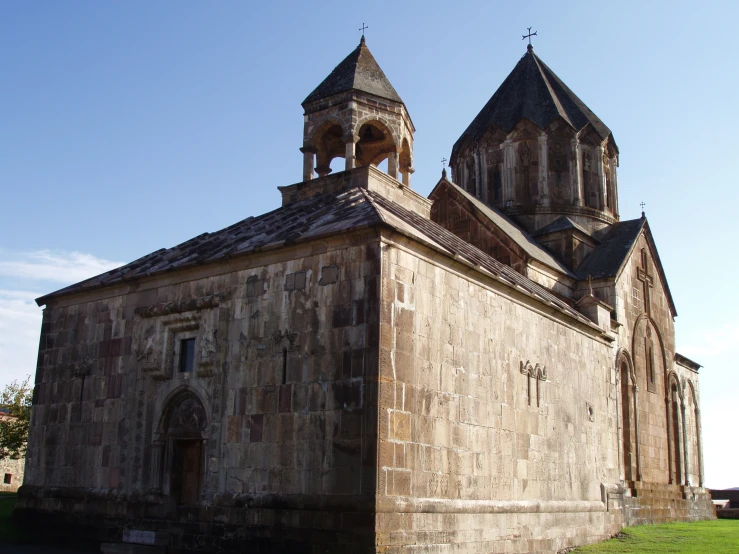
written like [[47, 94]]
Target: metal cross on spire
[[443, 162], [642, 208], [363, 28], [524, 37]]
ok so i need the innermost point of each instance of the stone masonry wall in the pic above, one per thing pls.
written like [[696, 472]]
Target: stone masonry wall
[[653, 423], [475, 455], [11, 474], [286, 356]]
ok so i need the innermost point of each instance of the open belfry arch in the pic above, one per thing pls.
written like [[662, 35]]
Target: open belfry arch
[[356, 114], [364, 369]]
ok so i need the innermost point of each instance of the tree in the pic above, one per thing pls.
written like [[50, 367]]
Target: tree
[[15, 416]]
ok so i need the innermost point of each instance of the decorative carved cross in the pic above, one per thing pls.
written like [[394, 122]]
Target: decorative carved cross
[[538, 373], [642, 273], [363, 28], [524, 37]]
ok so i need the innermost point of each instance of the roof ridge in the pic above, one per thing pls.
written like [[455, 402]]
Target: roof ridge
[[562, 112]]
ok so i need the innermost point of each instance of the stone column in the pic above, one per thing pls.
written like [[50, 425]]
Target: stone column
[[405, 172], [157, 455], [484, 175], [509, 163], [349, 154], [543, 170], [308, 155], [392, 165], [636, 432], [478, 184], [576, 174], [614, 187], [670, 433], [601, 178], [685, 445], [698, 443]]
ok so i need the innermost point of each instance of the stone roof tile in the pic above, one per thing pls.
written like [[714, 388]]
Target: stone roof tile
[[319, 216], [532, 91], [358, 71]]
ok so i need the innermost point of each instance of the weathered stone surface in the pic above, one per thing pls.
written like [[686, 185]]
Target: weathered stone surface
[[360, 371]]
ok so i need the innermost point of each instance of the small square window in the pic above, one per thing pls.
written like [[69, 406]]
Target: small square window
[[187, 355], [8, 478]]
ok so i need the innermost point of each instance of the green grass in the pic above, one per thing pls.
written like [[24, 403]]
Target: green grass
[[713, 537]]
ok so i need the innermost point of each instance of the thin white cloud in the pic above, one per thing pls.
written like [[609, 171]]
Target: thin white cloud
[[60, 267], [20, 326], [20, 317]]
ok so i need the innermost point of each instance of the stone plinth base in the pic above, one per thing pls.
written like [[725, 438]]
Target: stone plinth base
[[126, 548], [654, 503]]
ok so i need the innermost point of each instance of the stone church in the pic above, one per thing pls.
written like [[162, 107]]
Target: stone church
[[364, 370]]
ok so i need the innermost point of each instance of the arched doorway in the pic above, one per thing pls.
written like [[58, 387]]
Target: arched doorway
[[181, 437]]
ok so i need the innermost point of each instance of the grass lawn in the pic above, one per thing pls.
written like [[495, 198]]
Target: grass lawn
[[713, 537]]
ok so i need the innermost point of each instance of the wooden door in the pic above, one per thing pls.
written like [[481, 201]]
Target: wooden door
[[186, 462]]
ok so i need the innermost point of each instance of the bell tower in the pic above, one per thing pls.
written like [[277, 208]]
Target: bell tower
[[356, 114]]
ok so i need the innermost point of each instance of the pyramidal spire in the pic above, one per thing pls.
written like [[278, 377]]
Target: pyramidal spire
[[358, 71]]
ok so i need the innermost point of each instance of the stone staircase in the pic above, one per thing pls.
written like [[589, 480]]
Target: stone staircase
[[651, 503]]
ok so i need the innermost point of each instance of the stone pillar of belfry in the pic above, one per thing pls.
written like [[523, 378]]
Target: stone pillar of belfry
[[601, 178], [349, 154], [157, 455], [509, 162], [323, 170], [392, 165], [309, 153], [543, 170], [636, 432], [406, 171], [576, 174]]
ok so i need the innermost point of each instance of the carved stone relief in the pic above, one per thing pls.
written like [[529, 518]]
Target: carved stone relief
[[536, 373], [161, 327]]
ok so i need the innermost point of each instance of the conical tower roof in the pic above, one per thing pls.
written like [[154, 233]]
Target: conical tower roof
[[532, 91], [358, 71]]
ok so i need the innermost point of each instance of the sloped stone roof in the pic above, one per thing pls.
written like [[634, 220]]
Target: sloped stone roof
[[532, 91], [608, 258], [358, 71], [319, 216], [532, 248], [617, 242], [560, 224]]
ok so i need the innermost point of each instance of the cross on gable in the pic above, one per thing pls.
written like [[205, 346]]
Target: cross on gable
[[642, 273]]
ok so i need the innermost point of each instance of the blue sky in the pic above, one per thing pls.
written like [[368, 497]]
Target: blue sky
[[130, 126]]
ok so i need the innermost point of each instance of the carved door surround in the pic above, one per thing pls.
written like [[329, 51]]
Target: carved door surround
[[160, 329], [177, 459]]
